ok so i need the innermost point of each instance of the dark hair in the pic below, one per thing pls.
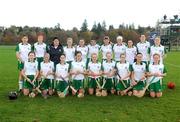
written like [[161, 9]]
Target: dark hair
[[77, 52], [31, 52], [57, 39], [139, 54], [62, 55]]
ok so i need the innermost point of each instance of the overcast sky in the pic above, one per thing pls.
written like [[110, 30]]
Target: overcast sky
[[71, 13]]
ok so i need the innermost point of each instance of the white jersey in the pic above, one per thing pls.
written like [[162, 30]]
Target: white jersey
[[131, 54], [93, 49], [123, 69], [105, 49], [70, 53], [144, 49], [78, 66], [84, 51], [46, 67], [94, 67], [40, 49], [156, 68], [62, 69], [138, 70], [30, 68], [108, 66], [118, 50], [159, 50], [23, 50]]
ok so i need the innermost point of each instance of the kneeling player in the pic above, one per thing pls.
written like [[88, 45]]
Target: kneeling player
[[47, 78], [30, 73], [78, 71], [62, 76], [108, 68], [157, 70], [123, 75], [94, 73]]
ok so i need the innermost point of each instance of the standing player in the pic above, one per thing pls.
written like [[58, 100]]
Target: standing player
[[69, 51], [157, 48], [119, 48], [157, 70], [106, 47], [92, 48], [123, 77], [78, 70], [62, 75], [47, 75], [143, 47], [94, 73], [40, 49], [22, 51], [108, 68], [138, 75], [131, 52], [83, 49], [30, 73]]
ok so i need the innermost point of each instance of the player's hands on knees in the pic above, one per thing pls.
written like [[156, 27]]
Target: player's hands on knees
[[133, 82]]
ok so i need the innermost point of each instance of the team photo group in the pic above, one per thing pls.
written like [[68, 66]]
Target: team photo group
[[120, 68]]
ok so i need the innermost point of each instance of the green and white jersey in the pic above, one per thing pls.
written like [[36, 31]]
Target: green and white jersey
[[39, 49], [160, 68], [94, 67], [105, 49], [23, 50], [84, 51], [78, 66], [118, 50], [159, 50], [93, 49], [123, 69], [138, 70], [108, 66], [70, 53], [46, 67], [62, 69], [30, 68], [144, 49], [131, 54]]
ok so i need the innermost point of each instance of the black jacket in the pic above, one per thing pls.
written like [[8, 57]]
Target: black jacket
[[55, 53]]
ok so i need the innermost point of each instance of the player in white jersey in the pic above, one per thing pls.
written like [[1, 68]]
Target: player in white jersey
[[40, 48], [69, 51], [108, 68], [30, 73], [157, 48], [47, 76], [62, 75], [157, 70], [106, 47], [119, 48], [78, 70], [131, 52], [94, 74], [83, 49], [123, 75], [138, 75], [143, 47], [92, 48], [22, 51]]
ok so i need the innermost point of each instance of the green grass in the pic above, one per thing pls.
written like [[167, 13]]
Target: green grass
[[109, 109]]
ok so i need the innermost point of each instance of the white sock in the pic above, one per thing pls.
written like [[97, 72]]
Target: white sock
[[20, 85]]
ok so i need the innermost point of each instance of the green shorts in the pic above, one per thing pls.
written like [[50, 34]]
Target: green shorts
[[87, 62], [47, 84], [121, 87], [39, 60], [139, 86], [28, 85], [20, 65], [92, 82], [156, 87], [61, 86], [77, 84], [109, 85]]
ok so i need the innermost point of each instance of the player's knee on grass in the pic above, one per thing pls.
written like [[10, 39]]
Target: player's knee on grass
[[135, 92], [44, 92], [26, 92], [159, 94], [91, 91], [50, 92], [112, 91], [152, 94]]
